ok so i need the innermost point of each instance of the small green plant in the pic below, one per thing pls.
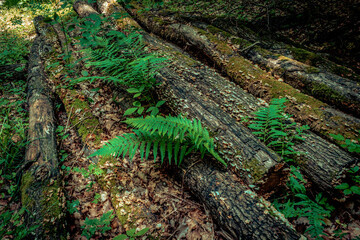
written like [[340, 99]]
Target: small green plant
[[274, 128], [71, 206], [355, 177], [300, 205], [351, 145], [101, 225], [11, 225], [178, 136], [132, 234], [93, 169]]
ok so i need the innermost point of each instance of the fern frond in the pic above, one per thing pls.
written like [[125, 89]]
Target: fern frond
[[176, 136], [178, 129]]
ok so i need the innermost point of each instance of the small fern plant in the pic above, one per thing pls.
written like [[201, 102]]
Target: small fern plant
[[176, 136], [274, 128]]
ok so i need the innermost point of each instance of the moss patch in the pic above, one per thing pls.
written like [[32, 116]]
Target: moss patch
[[305, 56], [82, 117], [26, 181], [257, 171]]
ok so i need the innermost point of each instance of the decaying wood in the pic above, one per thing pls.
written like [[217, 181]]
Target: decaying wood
[[318, 82], [83, 9], [41, 192], [194, 89], [243, 32], [240, 212], [318, 115], [237, 210], [323, 162]]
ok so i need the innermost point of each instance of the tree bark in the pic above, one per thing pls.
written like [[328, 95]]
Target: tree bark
[[41, 183], [319, 116], [195, 90], [240, 212], [248, 36]]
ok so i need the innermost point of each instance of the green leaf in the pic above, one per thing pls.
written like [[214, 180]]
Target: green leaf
[[158, 104], [120, 237], [337, 137], [140, 110], [355, 189], [347, 192], [342, 186], [130, 111], [141, 232], [132, 90], [131, 232], [84, 73]]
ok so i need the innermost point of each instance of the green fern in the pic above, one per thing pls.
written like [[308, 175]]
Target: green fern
[[176, 136], [123, 60], [273, 127]]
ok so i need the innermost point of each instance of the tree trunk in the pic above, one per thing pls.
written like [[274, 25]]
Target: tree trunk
[[318, 115], [250, 218], [244, 33], [193, 89], [41, 183]]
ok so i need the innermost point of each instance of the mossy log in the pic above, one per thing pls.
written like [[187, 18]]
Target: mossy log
[[240, 212], [246, 35], [41, 184], [196, 90], [307, 110], [322, 161]]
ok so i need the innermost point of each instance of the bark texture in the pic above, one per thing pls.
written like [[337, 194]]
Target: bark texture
[[323, 162], [41, 191], [237, 210], [305, 108], [194, 89], [240, 212]]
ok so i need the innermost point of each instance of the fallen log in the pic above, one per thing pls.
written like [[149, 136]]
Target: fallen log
[[241, 213], [323, 162], [198, 91], [242, 32], [41, 185], [318, 115]]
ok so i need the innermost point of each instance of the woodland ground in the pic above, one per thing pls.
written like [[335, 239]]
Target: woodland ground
[[125, 195]]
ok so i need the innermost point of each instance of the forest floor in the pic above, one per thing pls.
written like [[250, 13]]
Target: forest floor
[[124, 195]]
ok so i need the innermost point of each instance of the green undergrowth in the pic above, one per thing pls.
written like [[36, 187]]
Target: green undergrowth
[[274, 128]]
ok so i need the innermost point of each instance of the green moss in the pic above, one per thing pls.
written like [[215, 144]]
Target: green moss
[[82, 117], [305, 56], [26, 181], [311, 69], [257, 171], [318, 89], [215, 30], [241, 42], [221, 46]]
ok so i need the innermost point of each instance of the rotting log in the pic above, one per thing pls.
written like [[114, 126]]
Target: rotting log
[[324, 163], [41, 184], [202, 91], [316, 81], [307, 110], [240, 212], [198, 91], [242, 32], [236, 143]]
